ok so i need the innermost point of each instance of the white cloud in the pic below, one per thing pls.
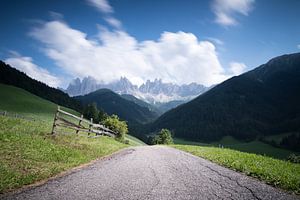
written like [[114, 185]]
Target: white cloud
[[225, 10], [26, 65], [237, 68], [175, 57], [101, 5], [298, 46], [113, 22]]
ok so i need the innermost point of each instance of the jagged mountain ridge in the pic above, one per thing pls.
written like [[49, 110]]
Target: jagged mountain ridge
[[153, 92]]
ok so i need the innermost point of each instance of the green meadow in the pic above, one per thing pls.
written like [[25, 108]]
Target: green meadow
[[29, 154], [256, 146]]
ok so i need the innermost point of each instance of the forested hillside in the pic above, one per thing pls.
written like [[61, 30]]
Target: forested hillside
[[263, 101]]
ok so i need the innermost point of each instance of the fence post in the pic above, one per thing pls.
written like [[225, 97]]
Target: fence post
[[55, 119], [90, 126], [5, 113], [79, 124]]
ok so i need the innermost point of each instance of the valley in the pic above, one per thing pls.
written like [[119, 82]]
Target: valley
[[154, 100]]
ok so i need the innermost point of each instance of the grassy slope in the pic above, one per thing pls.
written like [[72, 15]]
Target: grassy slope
[[279, 173], [256, 147], [28, 154], [16, 100]]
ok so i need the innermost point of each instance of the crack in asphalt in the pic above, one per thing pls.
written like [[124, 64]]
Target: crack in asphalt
[[236, 181], [212, 180]]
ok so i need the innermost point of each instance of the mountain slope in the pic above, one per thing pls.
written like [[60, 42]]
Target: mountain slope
[[12, 76], [260, 102], [113, 103]]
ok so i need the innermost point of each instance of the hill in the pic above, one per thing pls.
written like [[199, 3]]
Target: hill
[[263, 101], [12, 76], [113, 103], [17, 100]]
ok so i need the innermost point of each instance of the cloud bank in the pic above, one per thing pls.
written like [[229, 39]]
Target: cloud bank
[[178, 57], [226, 10], [175, 57]]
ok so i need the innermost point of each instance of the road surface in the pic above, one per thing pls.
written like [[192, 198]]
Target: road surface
[[152, 172]]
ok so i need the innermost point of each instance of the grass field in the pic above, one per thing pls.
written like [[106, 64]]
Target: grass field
[[16, 100], [256, 147], [283, 174], [28, 154]]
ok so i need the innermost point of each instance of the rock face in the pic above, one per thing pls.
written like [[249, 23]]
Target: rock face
[[153, 92]]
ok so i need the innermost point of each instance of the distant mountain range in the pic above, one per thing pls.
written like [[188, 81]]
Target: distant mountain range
[[153, 92], [264, 101]]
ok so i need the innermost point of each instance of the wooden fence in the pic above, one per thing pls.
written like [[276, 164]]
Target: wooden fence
[[91, 128]]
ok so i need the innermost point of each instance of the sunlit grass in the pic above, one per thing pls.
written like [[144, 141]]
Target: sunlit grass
[[283, 174], [28, 153]]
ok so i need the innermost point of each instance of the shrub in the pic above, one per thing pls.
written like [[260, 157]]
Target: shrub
[[120, 127], [163, 137]]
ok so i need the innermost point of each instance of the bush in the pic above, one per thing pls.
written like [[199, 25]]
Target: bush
[[163, 137], [120, 127]]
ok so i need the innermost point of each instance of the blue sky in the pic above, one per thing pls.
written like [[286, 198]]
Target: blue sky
[[175, 40]]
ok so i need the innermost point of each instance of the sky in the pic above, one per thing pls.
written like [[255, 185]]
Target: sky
[[178, 41]]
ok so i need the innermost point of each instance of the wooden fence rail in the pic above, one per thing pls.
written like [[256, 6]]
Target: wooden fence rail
[[97, 129]]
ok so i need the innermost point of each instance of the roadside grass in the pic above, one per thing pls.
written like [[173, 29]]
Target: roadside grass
[[261, 148], [28, 155], [279, 173], [256, 147]]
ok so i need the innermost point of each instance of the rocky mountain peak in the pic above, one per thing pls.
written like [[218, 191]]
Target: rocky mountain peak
[[151, 91]]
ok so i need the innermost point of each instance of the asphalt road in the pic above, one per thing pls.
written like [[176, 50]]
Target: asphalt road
[[152, 172]]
